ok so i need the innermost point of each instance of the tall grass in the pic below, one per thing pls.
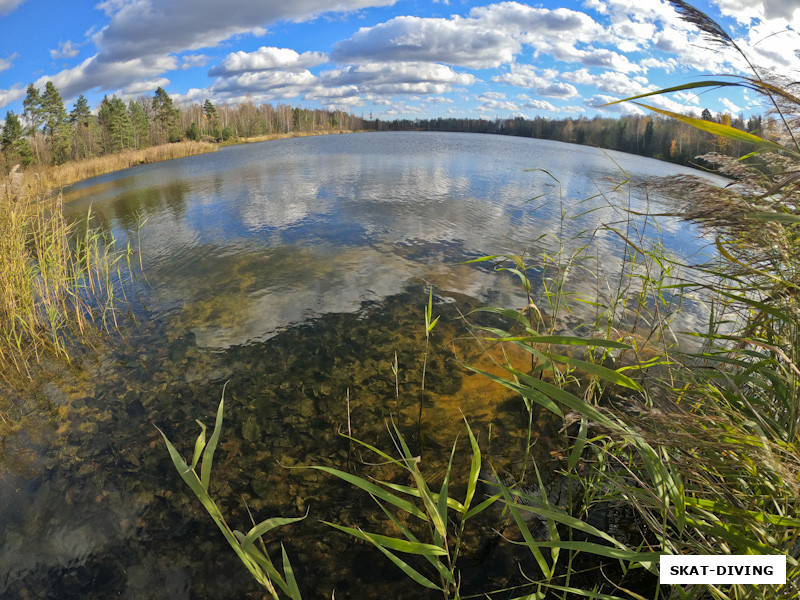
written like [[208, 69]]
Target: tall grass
[[63, 175], [56, 285]]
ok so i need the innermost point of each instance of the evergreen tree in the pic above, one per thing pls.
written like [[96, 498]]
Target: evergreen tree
[[212, 120], [193, 132], [80, 117], [141, 125], [118, 130], [706, 115], [166, 116], [56, 123], [32, 106], [14, 145]]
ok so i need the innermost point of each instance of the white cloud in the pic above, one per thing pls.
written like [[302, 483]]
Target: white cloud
[[610, 81], [398, 78], [732, 108], [268, 59], [454, 41], [150, 27], [495, 101], [669, 65], [65, 50], [6, 6], [533, 104], [745, 11], [194, 60], [544, 83], [92, 73], [7, 63], [11, 95], [598, 100]]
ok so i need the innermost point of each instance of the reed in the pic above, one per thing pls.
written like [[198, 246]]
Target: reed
[[56, 285], [63, 175]]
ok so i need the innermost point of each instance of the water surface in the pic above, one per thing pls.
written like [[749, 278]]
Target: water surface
[[296, 271]]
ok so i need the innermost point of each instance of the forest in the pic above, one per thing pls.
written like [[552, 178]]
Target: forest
[[46, 134], [654, 136]]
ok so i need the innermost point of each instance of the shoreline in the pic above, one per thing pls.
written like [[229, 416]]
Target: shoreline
[[42, 182]]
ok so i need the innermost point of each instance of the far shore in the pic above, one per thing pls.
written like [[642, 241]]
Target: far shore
[[39, 182]]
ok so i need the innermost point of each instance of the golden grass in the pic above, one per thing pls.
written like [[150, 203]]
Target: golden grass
[[283, 136], [74, 171]]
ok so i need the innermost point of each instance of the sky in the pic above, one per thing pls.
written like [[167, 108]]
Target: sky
[[391, 58]]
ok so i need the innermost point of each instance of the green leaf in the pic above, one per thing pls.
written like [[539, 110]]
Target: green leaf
[[199, 444], [523, 528], [373, 489], [599, 371], [474, 470], [208, 454], [405, 567], [266, 526], [291, 582], [580, 443], [400, 545]]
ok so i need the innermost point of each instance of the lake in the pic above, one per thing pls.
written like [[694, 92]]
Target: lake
[[293, 272]]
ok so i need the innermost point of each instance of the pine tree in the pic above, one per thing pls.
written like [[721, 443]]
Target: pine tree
[[80, 117], [118, 130], [14, 145], [212, 120], [56, 123], [33, 110], [166, 116], [141, 126]]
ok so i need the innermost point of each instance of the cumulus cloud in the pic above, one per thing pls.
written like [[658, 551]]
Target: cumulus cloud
[[453, 41], [611, 82], [194, 60], [151, 27], [545, 83], [398, 78], [268, 59], [6, 6], [534, 104], [278, 84], [11, 95], [65, 50], [95, 74], [139, 43]]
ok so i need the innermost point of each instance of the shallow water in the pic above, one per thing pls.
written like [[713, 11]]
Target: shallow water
[[292, 271]]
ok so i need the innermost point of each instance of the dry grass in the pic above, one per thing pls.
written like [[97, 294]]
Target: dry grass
[[72, 172]]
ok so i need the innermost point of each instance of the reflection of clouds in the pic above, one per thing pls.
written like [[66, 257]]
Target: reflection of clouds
[[255, 238]]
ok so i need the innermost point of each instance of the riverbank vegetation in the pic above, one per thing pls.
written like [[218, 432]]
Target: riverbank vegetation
[[47, 135], [652, 135], [664, 449]]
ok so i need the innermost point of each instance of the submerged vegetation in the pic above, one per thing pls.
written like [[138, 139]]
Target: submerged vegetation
[[664, 448]]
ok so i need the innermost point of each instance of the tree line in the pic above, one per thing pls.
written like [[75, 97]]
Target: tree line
[[46, 134], [648, 135]]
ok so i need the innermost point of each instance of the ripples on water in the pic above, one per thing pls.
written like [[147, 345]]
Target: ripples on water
[[293, 270]]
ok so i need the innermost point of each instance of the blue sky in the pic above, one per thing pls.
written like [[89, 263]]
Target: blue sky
[[389, 58]]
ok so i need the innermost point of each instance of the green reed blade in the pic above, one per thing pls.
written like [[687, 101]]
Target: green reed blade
[[211, 447], [265, 526], [291, 582], [400, 545], [474, 470], [373, 489], [405, 567]]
